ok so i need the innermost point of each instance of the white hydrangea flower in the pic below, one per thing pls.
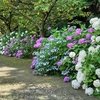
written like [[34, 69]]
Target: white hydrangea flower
[[97, 48], [82, 53], [98, 39], [6, 42], [96, 83], [92, 20], [2, 52], [78, 66], [97, 72], [91, 49], [72, 54], [1, 39], [93, 39], [89, 91], [75, 84], [97, 90], [81, 59], [16, 33], [96, 25], [13, 37], [11, 33], [98, 76], [84, 86], [80, 76], [3, 47], [92, 66]]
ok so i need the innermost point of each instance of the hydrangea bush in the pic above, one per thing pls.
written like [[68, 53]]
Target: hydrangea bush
[[88, 65], [59, 52], [18, 44], [88, 70]]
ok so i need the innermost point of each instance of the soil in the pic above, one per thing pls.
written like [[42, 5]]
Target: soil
[[18, 83]]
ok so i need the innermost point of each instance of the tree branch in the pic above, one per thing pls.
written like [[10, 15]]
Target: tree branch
[[26, 3], [27, 17], [48, 13]]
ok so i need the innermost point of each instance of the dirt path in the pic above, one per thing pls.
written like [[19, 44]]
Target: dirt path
[[18, 83]]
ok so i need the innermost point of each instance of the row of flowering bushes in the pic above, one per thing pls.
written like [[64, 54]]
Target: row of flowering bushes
[[71, 52], [18, 44]]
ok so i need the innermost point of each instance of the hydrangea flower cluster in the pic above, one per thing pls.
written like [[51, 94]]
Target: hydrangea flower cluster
[[88, 71], [38, 42], [95, 22]]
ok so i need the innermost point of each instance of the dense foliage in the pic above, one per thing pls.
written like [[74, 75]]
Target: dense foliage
[[36, 16]]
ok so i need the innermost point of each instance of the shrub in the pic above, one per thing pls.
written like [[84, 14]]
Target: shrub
[[88, 74], [19, 44], [59, 52]]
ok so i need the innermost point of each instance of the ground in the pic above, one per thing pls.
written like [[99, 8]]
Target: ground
[[18, 83]]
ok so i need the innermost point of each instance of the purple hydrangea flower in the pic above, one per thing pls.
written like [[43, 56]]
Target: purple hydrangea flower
[[88, 41], [51, 37], [66, 79], [14, 54], [37, 45], [19, 53], [33, 64], [69, 37], [73, 62], [6, 50], [40, 40], [88, 36], [70, 45], [25, 39], [70, 29], [49, 28], [75, 41], [76, 60], [91, 30], [81, 41], [78, 31], [9, 55], [59, 63]]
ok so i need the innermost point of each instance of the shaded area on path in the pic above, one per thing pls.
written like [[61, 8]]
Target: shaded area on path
[[18, 83]]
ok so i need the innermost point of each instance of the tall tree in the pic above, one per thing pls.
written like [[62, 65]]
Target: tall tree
[[37, 15]]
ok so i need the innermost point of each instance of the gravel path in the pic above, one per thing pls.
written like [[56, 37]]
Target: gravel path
[[18, 83]]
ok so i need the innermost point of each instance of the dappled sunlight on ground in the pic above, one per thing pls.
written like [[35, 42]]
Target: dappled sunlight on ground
[[18, 83], [7, 88], [5, 71], [5, 68]]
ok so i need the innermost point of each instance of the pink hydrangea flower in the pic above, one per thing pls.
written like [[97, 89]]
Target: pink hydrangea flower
[[70, 45], [81, 41], [69, 37], [59, 63], [37, 45], [91, 30], [66, 79], [78, 31], [88, 36], [40, 39], [49, 28], [70, 29]]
